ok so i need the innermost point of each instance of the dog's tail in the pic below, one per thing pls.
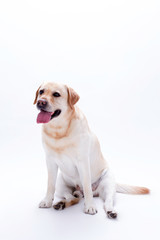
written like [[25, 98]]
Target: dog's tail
[[123, 188]]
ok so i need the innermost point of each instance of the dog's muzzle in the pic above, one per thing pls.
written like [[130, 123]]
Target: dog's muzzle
[[45, 116], [42, 104]]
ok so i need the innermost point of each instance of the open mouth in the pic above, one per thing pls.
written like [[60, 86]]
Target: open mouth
[[45, 117]]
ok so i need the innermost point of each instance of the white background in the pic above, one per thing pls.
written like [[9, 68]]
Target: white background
[[109, 52]]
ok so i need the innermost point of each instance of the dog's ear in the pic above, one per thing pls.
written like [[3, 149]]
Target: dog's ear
[[35, 100], [73, 97]]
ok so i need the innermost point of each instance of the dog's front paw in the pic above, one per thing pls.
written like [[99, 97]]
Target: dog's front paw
[[90, 209], [45, 203]]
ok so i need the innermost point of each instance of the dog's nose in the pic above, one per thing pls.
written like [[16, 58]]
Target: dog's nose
[[42, 103]]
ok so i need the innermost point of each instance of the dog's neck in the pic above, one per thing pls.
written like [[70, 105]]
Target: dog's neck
[[60, 127]]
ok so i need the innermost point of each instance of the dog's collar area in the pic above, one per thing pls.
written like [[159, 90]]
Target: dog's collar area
[[56, 114]]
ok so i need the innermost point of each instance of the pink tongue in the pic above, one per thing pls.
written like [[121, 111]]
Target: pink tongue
[[44, 117]]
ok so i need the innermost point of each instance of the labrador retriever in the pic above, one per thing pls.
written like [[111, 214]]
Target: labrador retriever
[[71, 147]]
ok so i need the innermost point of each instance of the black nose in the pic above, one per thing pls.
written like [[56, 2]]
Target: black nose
[[41, 104]]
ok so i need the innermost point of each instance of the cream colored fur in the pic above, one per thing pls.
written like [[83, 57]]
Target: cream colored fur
[[71, 147]]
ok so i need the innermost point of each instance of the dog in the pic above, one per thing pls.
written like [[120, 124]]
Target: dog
[[71, 147]]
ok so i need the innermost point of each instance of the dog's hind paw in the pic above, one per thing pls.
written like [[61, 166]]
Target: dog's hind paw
[[111, 214], [59, 205]]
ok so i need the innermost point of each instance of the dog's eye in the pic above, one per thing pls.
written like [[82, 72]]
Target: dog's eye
[[41, 92], [56, 94]]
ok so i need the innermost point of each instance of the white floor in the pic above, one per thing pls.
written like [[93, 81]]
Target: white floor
[[23, 185]]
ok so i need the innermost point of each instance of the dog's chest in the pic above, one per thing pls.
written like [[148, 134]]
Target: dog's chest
[[61, 149], [64, 153], [67, 165]]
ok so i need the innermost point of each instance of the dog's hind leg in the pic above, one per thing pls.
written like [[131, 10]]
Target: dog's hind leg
[[107, 189], [66, 203], [68, 195]]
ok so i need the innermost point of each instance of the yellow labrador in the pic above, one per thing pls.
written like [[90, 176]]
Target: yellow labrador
[[71, 147]]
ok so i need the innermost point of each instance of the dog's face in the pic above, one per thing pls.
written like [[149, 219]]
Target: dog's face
[[53, 100]]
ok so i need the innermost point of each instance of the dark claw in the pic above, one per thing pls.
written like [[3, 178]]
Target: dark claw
[[76, 195], [111, 214], [59, 206]]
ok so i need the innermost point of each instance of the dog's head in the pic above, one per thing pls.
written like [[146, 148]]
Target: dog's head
[[53, 100]]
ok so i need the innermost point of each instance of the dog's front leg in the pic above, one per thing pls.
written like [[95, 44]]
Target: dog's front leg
[[85, 177], [52, 175]]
